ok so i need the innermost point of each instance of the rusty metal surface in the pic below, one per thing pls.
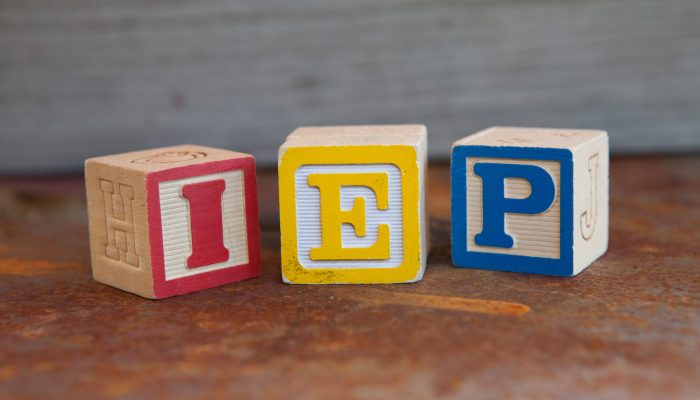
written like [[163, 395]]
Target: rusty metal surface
[[628, 327]]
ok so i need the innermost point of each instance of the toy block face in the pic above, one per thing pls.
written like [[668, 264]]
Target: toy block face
[[171, 221], [525, 200], [349, 212]]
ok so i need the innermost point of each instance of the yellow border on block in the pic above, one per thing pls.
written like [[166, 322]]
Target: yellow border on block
[[405, 158]]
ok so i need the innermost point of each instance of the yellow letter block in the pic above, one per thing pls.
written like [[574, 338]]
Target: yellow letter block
[[352, 204]]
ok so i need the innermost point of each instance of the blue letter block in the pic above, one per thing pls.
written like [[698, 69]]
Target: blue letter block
[[515, 206]]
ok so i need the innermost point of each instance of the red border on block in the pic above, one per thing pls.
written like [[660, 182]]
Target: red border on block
[[205, 280]]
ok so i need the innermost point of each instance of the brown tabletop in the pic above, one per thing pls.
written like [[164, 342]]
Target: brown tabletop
[[628, 326]]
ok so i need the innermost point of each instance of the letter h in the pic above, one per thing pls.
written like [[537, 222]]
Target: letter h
[[119, 221]]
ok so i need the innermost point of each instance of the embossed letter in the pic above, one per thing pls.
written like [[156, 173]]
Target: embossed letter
[[206, 223], [589, 216], [119, 221], [333, 217], [496, 205]]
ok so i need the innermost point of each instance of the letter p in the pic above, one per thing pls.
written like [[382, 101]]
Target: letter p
[[496, 205]]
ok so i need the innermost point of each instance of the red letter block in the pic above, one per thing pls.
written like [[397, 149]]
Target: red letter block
[[174, 220]]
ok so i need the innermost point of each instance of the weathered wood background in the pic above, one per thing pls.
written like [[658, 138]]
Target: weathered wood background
[[87, 77]]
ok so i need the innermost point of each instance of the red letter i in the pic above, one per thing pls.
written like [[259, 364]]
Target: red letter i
[[206, 223]]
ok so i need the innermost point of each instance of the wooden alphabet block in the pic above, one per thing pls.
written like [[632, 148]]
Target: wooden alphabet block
[[173, 220], [530, 200], [352, 204]]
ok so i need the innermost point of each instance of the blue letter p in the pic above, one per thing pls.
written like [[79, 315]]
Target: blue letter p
[[496, 205]]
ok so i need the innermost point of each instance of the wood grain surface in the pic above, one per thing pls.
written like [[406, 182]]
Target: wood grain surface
[[627, 327], [91, 77]]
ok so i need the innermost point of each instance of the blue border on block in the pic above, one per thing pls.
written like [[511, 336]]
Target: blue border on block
[[462, 257]]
